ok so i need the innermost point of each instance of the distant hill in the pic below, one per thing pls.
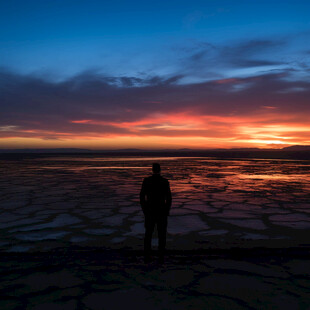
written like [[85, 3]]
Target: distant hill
[[295, 151], [53, 150], [297, 148]]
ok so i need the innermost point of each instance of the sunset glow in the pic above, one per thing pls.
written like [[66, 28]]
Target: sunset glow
[[227, 78]]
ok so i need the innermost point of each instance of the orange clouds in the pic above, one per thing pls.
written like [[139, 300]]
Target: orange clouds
[[167, 131], [160, 130], [207, 131]]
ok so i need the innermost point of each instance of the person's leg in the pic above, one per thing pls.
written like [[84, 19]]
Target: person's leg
[[162, 233], [149, 228]]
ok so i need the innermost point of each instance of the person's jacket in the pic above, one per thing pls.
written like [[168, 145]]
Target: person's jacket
[[155, 195]]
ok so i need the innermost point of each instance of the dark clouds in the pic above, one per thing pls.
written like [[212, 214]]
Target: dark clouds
[[32, 106]]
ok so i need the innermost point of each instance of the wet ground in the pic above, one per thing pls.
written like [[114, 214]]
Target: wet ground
[[65, 223]]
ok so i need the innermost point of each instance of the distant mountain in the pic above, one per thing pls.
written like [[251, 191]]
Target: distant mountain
[[249, 149], [53, 150], [297, 148], [122, 150]]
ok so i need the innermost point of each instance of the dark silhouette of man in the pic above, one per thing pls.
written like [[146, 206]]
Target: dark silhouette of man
[[155, 200]]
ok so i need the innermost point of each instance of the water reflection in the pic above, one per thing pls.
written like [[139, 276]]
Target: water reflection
[[231, 195], [272, 176], [207, 179]]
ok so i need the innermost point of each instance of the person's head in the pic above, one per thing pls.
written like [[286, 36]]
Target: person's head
[[156, 168]]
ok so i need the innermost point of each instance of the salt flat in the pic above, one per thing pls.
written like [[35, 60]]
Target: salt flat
[[77, 196], [62, 204]]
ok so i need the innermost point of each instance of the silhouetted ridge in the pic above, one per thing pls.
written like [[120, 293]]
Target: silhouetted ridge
[[297, 148]]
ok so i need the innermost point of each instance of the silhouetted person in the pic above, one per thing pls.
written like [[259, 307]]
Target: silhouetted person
[[155, 200]]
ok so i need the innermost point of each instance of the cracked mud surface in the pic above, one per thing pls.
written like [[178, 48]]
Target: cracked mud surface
[[91, 204]]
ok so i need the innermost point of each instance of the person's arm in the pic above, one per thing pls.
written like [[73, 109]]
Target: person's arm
[[142, 196], [168, 198]]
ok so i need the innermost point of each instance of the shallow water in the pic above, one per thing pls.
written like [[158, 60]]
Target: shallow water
[[58, 201]]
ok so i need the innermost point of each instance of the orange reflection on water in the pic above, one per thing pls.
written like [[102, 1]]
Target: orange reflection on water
[[274, 176]]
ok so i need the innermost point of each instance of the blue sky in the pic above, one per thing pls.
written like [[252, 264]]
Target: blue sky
[[63, 38]]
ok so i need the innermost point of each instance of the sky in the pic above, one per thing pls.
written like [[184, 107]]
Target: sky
[[154, 74]]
